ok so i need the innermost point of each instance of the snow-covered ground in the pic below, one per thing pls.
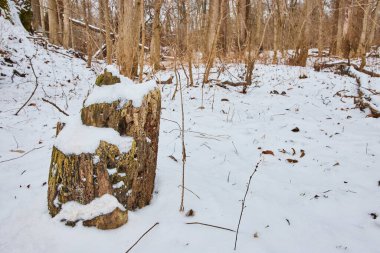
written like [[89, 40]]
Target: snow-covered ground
[[323, 203]]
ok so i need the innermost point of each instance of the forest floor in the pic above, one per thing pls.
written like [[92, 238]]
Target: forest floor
[[326, 202]]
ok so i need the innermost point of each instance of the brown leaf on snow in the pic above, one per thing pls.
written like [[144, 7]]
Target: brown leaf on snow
[[282, 151], [190, 213], [292, 161], [294, 151], [268, 152], [32, 104], [295, 130], [302, 153]]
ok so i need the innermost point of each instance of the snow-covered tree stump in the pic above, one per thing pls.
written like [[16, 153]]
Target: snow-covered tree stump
[[109, 149]]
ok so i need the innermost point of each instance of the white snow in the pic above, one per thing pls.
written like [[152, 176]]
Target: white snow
[[73, 211], [118, 185], [124, 91], [341, 162], [76, 138]]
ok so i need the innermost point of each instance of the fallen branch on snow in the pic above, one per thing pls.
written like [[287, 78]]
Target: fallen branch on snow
[[142, 237], [56, 106], [35, 88], [245, 196], [205, 224]]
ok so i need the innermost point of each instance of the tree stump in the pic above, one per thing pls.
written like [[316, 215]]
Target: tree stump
[[112, 150]]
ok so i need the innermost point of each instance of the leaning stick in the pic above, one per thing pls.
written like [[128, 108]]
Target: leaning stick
[[142, 236]]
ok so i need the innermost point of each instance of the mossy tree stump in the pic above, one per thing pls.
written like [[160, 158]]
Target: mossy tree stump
[[128, 176]]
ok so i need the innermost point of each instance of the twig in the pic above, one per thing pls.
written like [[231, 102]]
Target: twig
[[35, 88], [56, 106], [21, 155], [245, 196], [142, 236], [190, 191], [182, 208], [204, 224]]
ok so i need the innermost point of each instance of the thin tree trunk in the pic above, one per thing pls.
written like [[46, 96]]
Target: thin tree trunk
[[363, 36], [53, 21], [212, 53], [66, 23], [86, 21], [189, 48], [275, 31], [339, 36], [128, 44], [107, 21], [320, 27], [36, 15], [42, 16], [212, 24], [375, 19], [141, 59], [155, 45]]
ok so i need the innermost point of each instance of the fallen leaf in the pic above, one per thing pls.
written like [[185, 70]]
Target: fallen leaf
[[256, 235], [224, 100], [268, 152], [295, 130], [302, 153], [373, 215], [282, 151], [190, 213], [294, 151], [336, 164], [291, 161], [32, 104]]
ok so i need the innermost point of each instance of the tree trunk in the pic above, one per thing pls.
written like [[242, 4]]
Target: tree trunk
[[363, 36], [42, 16], [53, 22], [320, 27], [212, 51], [107, 21], [155, 45], [339, 35], [375, 19], [241, 8], [189, 48], [86, 10], [275, 31], [36, 15], [212, 24], [142, 52], [66, 23], [128, 44]]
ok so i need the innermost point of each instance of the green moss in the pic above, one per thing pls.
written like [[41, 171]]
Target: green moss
[[106, 79]]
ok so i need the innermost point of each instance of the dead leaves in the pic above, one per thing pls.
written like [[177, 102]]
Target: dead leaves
[[292, 152], [295, 130], [268, 152], [292, 161]]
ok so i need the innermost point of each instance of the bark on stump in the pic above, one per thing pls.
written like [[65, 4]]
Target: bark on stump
[[127, 176]]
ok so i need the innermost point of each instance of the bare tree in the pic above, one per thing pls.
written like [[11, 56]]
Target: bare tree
[[53, 21], [155, 46]]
